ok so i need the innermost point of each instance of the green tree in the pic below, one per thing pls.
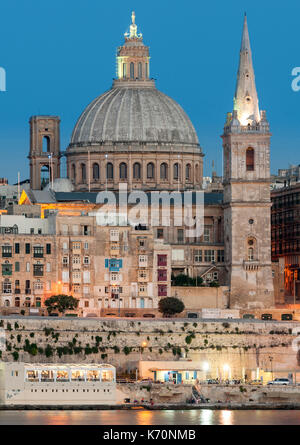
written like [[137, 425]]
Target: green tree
[[61, 303], [170, 306], [185, 280]]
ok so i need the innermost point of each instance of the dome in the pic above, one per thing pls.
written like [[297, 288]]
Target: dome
[[61, 185], [133, 114]]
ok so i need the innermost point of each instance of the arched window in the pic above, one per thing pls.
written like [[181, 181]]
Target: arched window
[[176, 171], [73, 172], [140, 74], [150, 170], [250, 159], [250, 254], [46, 144], [131, 70], [109, 171], [188, 172], [136, 170], [83, 173], [124, 70], [123, 170], [96, 172], [163, 171], [197, 172]]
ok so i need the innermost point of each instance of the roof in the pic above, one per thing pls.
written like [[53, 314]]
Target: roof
[[133, 114]]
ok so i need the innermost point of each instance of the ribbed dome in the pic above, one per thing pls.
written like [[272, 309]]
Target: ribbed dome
[[139, 114]]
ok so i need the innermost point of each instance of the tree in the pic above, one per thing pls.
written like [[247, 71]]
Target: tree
[[185, 280], [170, 306], [61, 303]]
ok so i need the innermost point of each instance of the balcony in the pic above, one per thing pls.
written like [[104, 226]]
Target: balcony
[[251, 265]]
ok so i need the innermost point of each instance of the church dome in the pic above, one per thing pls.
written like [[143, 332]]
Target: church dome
[[134, 112]]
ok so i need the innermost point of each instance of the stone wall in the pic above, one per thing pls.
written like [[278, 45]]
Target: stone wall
[[123, 343], [196, 298]]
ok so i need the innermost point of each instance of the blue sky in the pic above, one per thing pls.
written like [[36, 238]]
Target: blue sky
[[60, 54]]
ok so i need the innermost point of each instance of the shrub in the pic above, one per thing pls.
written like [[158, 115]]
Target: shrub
[[8, 327], [126, 350], [48, 351], [225, 325], [170, 306], [16, 325], [15, 355]]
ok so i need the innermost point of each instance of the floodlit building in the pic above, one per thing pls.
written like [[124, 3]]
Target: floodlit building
[[57, 384]]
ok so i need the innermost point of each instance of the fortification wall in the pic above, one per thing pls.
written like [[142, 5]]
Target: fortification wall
[[123, 343]]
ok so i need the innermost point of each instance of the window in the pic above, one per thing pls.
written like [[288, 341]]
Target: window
[[137, 170], [131, 70], [162, 275], [6, 251], [109, 171], [96, 172], [27, 267], [83, 173], [6, 269], [123, 170], [17, 248], [65, 261], [188, 172], [86, 246], [198, 256], [38, 251], [150, 171], [206, 234], [160, 233], [48, 267], [73, 170], [209, 256], [250, 254], [162, 290], [164, 171], [17, 267], [27, 248], [48, 249], [220, 256], [161, 260], [124, 70], [250, 159], [86, 260], [176, 171], [38, 270], [140, 74], [180, 236]]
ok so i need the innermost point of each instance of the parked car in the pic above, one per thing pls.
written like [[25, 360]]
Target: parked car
[[286, 317], [266, 317], [256, 382], [249, 316], [212, 381], [279, 382]]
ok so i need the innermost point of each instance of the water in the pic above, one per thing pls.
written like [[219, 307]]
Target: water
[[144, 417]]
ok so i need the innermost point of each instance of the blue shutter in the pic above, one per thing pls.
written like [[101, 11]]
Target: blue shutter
[[106, 262]]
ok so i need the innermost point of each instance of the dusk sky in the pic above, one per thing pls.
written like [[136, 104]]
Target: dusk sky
[[59, 55]]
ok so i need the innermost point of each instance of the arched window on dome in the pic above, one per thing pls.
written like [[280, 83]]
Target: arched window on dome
[[73, 172], [124, 70], [109, 171], [150, 170], [96, 171], [188, 170], [140, 74], [123, 170], [176, 171], [164, 171], [250, 159], [131, 70], [197, 172], [137, 170], [83, 173]]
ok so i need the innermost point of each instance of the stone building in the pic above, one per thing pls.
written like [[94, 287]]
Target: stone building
[[154, 147]]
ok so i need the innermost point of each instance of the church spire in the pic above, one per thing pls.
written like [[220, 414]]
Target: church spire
[[245, 99]]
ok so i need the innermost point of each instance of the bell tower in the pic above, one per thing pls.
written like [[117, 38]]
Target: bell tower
[[247, 225], [44, 152]]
